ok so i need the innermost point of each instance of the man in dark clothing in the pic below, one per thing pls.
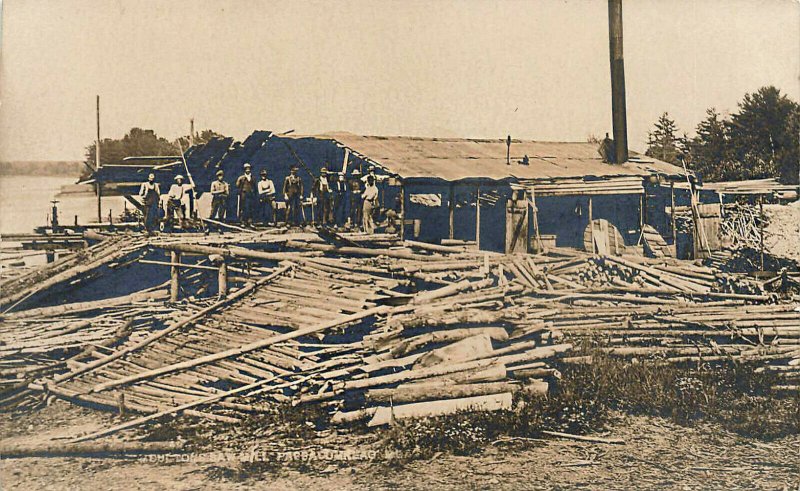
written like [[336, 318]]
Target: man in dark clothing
[[339, 189], [293, 195], [355, 188], [150, 193], [246, 185], [322, 191]]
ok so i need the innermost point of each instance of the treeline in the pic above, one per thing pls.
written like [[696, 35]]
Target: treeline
[[140, 142], [70, 168], [760, 140]]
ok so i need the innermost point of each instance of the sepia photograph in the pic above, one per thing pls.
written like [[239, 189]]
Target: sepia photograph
[[399, 245]]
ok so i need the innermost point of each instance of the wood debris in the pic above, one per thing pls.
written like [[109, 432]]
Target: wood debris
[[370, 327]]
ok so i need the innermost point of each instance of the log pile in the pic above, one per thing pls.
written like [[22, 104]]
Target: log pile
[[377, 329], [741, 225], [695, 333]]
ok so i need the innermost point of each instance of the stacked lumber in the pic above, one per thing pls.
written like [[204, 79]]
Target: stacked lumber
[[584, 278], [742, 225], [695, 333]]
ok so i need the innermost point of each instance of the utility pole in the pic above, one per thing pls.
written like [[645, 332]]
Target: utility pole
[[617, 81], [191, 132], [98, 185]]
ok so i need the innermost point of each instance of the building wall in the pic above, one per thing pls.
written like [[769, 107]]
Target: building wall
[[567, 217]]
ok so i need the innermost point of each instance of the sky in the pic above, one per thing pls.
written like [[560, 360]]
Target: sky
[[477, 69]]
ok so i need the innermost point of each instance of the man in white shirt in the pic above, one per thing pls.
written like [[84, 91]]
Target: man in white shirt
[[220, 190], [176, 200], [370, 197], [150, 193], [266, 197]]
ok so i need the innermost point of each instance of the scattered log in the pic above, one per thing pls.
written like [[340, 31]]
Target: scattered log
[[386, 415], [10, 451]]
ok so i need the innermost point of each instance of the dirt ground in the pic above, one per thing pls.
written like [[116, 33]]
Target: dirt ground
[[656, 454]]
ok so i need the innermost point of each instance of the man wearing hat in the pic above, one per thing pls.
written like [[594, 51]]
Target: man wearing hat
[[176, 207], [246, 185], [220, 190], [293, 194], [322, 191], [339, 190], [370, 172], [150, 193], [266, 197], [354, 186], [370, 198]]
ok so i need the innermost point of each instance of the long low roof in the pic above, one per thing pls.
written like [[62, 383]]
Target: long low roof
[[456, 158]]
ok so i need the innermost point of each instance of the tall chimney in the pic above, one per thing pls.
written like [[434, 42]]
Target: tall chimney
[[617, 81]]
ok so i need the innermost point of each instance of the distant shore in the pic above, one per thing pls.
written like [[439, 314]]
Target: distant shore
[[65, 168]]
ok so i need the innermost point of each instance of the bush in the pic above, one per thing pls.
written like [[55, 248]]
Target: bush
[[734, 396]]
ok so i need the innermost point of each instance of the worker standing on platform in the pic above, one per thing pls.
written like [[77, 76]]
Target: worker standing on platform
[[370, 198], [176, 205], [322, 192], [247, 195], [339, 190], [220, 190], [150, 194], [354, 187], [293, 194], [266, 198]]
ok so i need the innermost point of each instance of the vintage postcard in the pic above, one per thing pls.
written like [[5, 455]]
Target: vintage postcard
[[373, 244]]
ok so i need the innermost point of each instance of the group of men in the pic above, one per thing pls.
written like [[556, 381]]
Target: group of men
[[332, 193], [179, 201]]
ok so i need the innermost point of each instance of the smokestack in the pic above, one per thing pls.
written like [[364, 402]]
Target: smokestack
[[617, 81]]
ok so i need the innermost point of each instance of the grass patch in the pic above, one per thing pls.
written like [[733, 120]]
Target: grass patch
[[734, 396]]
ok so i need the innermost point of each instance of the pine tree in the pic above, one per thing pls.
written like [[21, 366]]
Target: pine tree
[[709, 150], [765, 135], [663, 142]]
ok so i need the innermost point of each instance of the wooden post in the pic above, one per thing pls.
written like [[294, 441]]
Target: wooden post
[[591, 224], [98, 185], [641, 211], [222, 279], [539, 244], [478, 218], [191, 133], [175, 273], [452, 210], [761, 228], [672, 217], [402, 217]]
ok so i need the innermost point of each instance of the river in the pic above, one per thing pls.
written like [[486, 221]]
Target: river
[[25, 203]]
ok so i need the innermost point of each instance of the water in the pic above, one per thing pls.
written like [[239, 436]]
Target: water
[[25, 203]]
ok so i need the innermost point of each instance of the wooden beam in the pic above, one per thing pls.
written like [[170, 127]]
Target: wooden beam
[[478, 217], [222, 279], [175, 276], [591, 224], [452, 210], [139, 206]]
